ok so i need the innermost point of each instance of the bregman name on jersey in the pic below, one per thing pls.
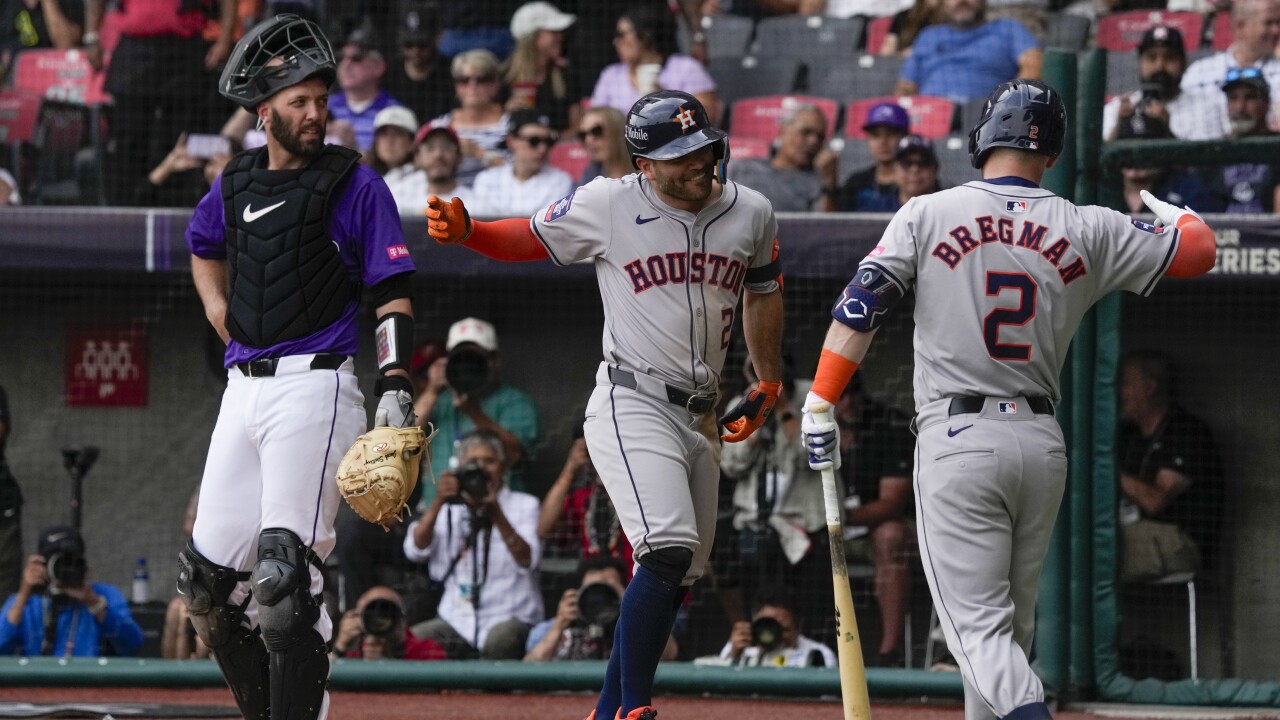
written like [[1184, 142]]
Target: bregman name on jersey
[[986, 230], [681, 267]]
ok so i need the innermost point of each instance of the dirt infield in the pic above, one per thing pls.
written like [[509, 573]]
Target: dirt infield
[[347, 705]]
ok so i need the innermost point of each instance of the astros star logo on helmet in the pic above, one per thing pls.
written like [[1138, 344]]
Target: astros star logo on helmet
[[685, 118]]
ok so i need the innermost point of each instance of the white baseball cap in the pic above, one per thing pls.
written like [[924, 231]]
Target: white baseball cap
[[535, 16], [472, 330], [396, 116]]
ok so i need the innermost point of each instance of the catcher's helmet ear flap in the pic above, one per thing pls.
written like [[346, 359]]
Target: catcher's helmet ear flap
[[1021, 114], [669, 124], [275, 54]]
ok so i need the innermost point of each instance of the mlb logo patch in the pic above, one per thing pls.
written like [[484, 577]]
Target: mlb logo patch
[[1007, 408], [559, 207], [1017, 206], [395, 252], [1147, 227]]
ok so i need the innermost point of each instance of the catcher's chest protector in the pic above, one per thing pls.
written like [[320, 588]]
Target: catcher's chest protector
[[286, 277]]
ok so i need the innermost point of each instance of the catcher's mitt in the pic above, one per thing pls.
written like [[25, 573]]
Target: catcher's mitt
[[380, 470]]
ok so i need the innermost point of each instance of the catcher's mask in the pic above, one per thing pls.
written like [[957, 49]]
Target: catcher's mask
[[670, 124], [302, 51]]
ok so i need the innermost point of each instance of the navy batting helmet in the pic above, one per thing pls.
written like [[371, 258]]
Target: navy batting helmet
[[1021, 114], [273, 55], [669, 124]]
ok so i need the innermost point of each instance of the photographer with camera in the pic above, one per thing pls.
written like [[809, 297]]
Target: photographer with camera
[[375, 629], [479, 541], [583, 626], [57, 611], [773, 638], [1162, 61], [577, 516], [464, 391]]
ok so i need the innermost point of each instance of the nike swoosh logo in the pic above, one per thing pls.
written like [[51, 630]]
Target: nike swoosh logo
[[953, 433], [641, 221], [250, 214]]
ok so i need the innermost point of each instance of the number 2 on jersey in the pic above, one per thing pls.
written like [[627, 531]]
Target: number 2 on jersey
[[997, 282]]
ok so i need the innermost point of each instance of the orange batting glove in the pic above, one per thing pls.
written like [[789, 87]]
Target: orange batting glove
[[447, 220], [751, 411]]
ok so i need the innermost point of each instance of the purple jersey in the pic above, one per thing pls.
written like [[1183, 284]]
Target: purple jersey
[[362, 121], [365, 226]]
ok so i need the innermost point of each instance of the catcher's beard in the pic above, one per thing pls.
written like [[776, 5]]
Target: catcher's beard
[[290, 138]]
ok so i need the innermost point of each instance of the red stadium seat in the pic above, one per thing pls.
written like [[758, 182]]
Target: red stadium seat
[[19, 111], [930, 115], [1123, 31], [63, 75], [1223, 35], [758, 117], [748, 148], [570, 157], [877, 31]]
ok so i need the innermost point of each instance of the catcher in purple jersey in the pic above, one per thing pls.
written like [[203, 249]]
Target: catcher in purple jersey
[[281, 248]]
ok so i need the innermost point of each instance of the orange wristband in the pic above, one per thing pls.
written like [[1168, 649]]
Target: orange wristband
[[834, 371]]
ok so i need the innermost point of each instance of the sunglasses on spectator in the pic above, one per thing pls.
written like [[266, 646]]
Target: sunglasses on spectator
[[352, 57], [1249, 73], [596, 131], [537, 141], [476, 79]]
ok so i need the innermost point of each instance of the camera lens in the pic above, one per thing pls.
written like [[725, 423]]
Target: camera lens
[[466, 371], [599, 604], [67, 569], [766, 633], [473, 481], [380, 617]]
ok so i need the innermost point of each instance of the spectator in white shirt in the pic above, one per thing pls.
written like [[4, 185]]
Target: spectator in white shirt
[[437, 155], [773, 639], [527, 183], [491, 597], [1255, 25], [1162, 61], [393, 149]]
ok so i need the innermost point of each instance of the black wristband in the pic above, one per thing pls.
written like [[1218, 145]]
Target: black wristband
[[392, 383], [393, 340]]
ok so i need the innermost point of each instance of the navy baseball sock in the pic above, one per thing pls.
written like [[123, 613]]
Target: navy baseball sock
[[643, 628]]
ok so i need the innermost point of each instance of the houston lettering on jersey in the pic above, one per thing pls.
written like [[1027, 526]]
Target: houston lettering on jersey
[[1031, 238], [681, 267]]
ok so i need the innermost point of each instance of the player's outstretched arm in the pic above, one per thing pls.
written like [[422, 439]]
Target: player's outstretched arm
[[842, 352], [449, 223], [1197, 249]]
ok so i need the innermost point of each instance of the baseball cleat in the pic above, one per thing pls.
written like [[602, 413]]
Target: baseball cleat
[[640, 713]]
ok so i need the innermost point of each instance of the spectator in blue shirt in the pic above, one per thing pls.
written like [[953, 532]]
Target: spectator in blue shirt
[[968, 55], [361, 66], [57, 611]]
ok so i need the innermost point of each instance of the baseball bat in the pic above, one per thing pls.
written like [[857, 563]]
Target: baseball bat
[[853, 673]]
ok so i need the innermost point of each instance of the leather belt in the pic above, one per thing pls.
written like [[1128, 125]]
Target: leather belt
[[696, 404], [266, 367], [970, 404]]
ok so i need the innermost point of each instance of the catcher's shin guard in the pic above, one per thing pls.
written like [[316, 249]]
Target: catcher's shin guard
[[206, 588], [281, 582]]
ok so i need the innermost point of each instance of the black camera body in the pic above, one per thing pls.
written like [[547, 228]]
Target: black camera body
[[467, 370], [473, 480], [381, 617]]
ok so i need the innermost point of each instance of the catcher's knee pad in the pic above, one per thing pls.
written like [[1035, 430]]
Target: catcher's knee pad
[[669, 563], [281, 582], [206, 589]]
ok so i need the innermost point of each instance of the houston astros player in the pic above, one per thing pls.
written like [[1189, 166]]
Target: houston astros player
[[674, 246], [1003, 271], [281, 246]]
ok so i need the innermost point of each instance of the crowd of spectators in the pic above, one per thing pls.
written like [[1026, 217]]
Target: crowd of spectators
[[470, 68]]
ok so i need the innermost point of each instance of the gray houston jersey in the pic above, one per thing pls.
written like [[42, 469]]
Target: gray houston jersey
[[1003, 275], [670, 281]]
